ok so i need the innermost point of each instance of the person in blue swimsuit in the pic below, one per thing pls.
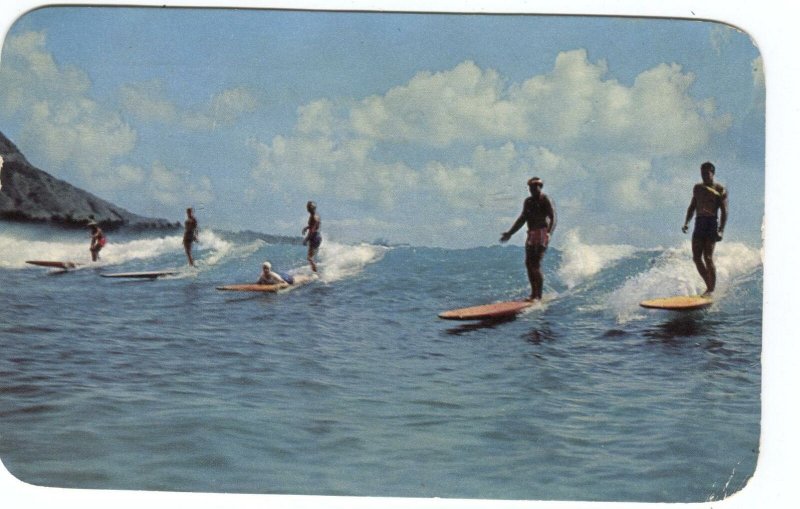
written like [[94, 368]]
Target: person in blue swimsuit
[[268, 277], [313, 239], [708, 199]]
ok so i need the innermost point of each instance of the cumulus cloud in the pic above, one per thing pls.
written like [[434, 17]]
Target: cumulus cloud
[[56, 112], [149, 102], [174, 187], [470, 137], [573, 104]]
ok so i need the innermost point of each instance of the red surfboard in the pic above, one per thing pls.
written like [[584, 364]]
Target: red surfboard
[[487, 311], [55, 265]]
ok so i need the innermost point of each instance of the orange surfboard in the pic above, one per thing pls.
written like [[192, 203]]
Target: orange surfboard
[[254, 287], [682, 303], [487, 311]]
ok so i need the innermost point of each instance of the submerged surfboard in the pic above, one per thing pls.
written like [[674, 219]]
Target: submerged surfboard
[[53, 264], [255, 287], [683, 303], [487, 311], [142, 275]]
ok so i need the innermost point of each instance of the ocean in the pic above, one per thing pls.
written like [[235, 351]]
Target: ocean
[[352, 385]]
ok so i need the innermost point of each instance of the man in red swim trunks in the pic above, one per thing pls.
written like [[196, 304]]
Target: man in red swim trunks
[[540, 215], [98, 240]]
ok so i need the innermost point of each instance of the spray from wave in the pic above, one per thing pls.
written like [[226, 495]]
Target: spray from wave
[[17, 249], [340, 261], [581, 261], [673, 273]]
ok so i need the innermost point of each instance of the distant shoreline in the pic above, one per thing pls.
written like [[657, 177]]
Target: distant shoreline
[[143, 227], [76, 224]]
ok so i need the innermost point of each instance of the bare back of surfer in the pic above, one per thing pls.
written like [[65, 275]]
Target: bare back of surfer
[[708, 200], [539, 214], [189, 234], [313, 238]]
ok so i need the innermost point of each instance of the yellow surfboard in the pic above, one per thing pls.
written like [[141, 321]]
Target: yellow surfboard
[[681, 303]]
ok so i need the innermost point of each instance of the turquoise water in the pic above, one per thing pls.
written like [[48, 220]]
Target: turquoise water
[[352, 386]]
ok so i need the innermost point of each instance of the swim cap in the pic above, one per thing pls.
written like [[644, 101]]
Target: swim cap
[[267, 265]]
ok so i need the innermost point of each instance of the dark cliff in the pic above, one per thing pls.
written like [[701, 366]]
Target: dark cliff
[[28, 194]]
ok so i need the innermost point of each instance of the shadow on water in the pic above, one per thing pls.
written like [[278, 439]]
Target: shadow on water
[[539, 335], [685, 325], [479, 325]]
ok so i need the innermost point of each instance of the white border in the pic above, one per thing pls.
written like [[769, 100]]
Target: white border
[[774, 26]]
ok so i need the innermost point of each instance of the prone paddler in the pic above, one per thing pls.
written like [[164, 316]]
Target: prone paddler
[[539, 214], [269, 277]]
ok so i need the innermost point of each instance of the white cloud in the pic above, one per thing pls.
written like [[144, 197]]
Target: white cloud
[[316, 164], [468, 137], [572, 105], [720, 35], [174, 188], [57, 115], [149, 102]]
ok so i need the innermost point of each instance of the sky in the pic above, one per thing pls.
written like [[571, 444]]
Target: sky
[[411, 128]]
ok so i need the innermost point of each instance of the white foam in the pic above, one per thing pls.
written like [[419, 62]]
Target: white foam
[[15, 251], [340, 261], [673, 273], [581, 261]]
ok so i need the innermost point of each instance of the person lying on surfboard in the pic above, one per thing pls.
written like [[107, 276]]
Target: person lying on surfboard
[[540, 215], [98, 241], [268, 277], [313, 239], [708, 198]]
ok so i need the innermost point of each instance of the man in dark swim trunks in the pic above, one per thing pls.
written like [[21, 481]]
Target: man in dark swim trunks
[[189, 234], [708, 197], [539, 213], [313, 239]]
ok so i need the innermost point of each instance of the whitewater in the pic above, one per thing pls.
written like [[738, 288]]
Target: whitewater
[[351, 385]]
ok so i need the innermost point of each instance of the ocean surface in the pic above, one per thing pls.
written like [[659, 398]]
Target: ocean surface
[[351, 385]]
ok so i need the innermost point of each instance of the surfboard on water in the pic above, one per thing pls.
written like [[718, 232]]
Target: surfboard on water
[[681, 303], [487, 311], [142, 275], [53, 264], [255, 287]]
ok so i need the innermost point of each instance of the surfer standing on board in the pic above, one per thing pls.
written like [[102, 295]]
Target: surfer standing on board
[[538, 212], [313, 239], [708, 197], [189, 234], [98, 241]]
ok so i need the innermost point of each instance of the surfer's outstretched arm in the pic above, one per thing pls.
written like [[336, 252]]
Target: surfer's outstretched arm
[[551, 215], [516, 226], [689, 214]]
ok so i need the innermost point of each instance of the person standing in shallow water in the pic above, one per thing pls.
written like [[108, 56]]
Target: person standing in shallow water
[[313, 239], [708, 199], [189, 234], [540, 215]]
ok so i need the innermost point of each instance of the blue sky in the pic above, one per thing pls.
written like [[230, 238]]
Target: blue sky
[[418, 128]]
